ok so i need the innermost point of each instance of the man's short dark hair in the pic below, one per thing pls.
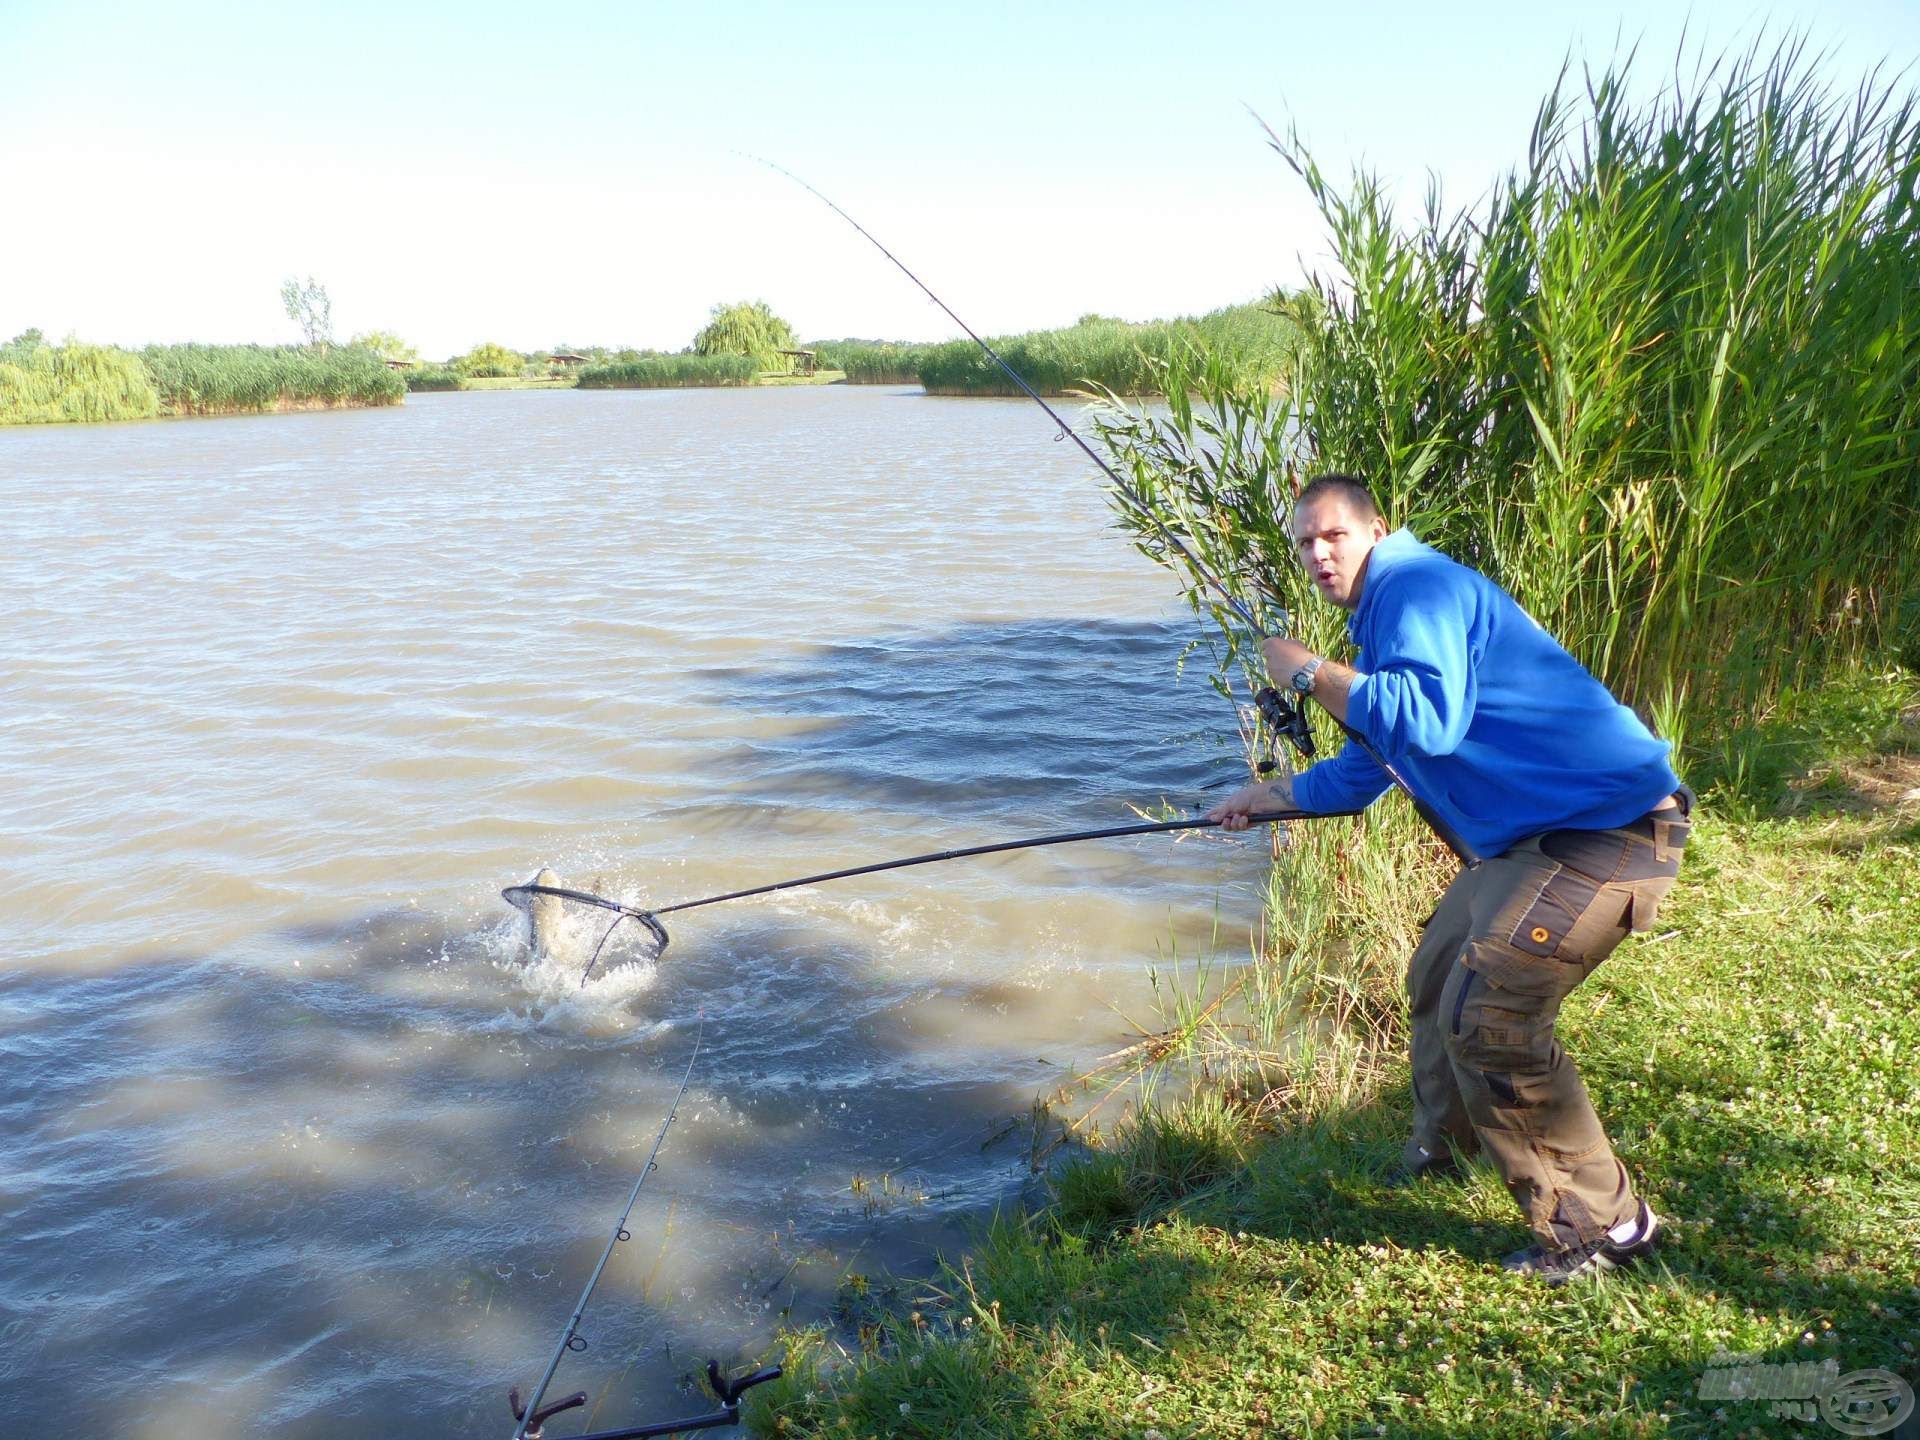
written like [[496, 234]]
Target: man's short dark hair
[[1350, 488]]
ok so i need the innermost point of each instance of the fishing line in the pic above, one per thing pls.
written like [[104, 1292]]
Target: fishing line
[[521, 896], [1125, 491], [532, 1416], [1281, 713]]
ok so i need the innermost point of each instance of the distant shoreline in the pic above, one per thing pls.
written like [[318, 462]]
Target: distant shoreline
[[82, 383]]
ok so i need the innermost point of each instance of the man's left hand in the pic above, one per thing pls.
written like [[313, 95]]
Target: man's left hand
[[1260, 797]]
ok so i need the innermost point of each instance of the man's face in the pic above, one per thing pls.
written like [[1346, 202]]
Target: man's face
[[1333, 544]]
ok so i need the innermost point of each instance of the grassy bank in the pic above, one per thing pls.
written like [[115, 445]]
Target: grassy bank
[[873, 362], [1249, 342], [518, 382], [432, 378], [1225, 1268], [659, 372], [795, 377], [651, 372], [250, 379], [78, 382]]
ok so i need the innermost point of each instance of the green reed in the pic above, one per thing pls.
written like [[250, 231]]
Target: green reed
[[1664, 386], [49, 384], [670, 372], [872, 362], [1253, 341], [238, 379], [432, 377]]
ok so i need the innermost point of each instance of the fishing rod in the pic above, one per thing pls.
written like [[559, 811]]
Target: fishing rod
[[521, 896], [1280, 712], [533, 1416]]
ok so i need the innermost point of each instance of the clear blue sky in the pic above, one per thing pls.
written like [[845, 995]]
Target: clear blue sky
[[536, 174]]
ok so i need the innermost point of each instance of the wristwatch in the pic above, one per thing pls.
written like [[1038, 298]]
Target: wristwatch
[[1302, 681]]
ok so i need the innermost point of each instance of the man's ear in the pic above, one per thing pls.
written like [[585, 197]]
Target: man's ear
[[1379, 527]]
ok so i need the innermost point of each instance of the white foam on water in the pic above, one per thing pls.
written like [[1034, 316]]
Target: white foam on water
[[614, 982], [544, 988]]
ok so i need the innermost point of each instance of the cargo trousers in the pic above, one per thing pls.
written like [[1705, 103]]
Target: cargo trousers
[[1511, 938]]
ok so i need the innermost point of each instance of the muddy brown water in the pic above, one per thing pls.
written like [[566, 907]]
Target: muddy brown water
[[293, 1137]]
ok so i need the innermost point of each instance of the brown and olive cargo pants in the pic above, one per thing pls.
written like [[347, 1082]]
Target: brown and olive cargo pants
[[1510, 940]]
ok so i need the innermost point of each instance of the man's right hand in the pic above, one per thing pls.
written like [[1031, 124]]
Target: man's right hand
[[1232, 812]]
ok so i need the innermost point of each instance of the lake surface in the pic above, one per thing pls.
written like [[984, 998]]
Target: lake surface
[[294, 1136]]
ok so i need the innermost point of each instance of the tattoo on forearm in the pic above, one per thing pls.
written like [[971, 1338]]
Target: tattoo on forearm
[[1331, 684], [1333, 678]]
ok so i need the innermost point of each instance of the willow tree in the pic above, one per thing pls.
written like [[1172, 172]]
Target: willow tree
[[748, 328], [489, 361], [385, 344]]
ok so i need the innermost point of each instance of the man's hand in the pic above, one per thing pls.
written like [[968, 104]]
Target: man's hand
[[1284, 656], [1332, 682], [1232, 812]]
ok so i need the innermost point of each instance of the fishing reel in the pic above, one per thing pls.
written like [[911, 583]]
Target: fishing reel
[[1284, 720]]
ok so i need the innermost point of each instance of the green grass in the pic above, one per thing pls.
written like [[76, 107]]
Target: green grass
[[519, 382], [48, 384], [788, 377], [670, 372], [239, 379], [1230, 1266]]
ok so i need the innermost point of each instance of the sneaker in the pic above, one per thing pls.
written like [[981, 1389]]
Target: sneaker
[[1625, 1243], [1444, 1166]]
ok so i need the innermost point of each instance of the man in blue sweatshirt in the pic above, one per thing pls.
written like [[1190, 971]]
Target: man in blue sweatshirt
[[1580, 819]]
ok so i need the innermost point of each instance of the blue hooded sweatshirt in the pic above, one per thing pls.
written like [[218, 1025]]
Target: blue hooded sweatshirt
[[1489, 720]]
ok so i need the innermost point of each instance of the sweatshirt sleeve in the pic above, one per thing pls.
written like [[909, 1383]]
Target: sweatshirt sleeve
[[1417, 695], [1349, 780]]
